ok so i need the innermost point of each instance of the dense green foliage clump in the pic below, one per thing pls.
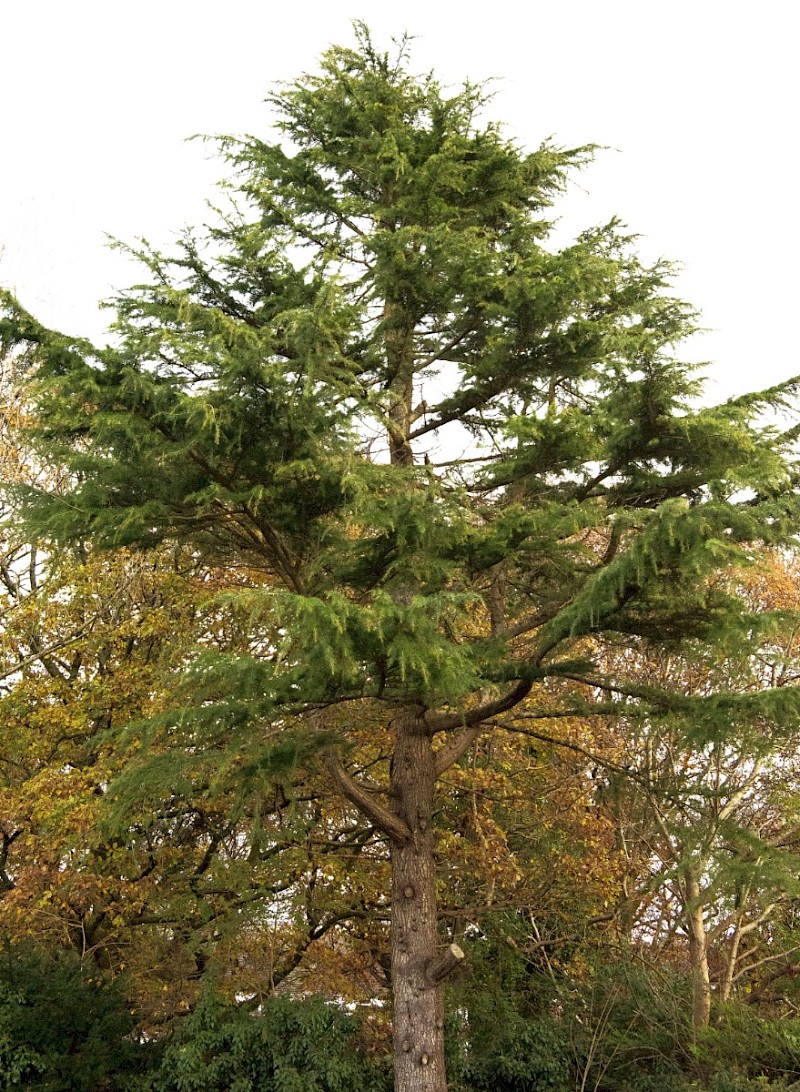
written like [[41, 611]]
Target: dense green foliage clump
[[62, 1027], [625, 1029], [289, 1046]]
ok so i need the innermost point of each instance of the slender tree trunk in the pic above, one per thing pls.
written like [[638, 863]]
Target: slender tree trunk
[[416, 971], [698, 954], [399, 345], [726, 985], [400, 453]]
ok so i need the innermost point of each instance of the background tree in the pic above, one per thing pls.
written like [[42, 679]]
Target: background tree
[[287, 395], [704, 819], [189, 880]]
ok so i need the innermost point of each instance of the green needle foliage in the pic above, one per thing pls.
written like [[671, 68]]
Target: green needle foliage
[[384, 271]]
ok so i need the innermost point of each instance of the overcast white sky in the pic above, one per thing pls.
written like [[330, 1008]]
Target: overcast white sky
[[698, 100]]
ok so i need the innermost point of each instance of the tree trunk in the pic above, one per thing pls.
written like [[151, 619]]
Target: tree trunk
[[698, 954], [416, 972], [726, 985], [417, 969]]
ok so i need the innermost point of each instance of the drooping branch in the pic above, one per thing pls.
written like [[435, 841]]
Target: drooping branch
[[390, 825]]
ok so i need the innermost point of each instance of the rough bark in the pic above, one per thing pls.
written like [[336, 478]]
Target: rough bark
[[418, 1007]]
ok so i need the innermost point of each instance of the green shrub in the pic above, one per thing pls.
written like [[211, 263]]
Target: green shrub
[[524, 1056], [288, 1046], [63, 1029]]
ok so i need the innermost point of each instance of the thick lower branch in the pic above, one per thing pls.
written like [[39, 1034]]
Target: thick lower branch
[[446, 722], [385, 821]]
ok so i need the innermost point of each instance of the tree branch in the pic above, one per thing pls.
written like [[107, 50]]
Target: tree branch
[[440, 966], [771, 958], [455, 747], [443, 350], [446, 722], [390, 825]]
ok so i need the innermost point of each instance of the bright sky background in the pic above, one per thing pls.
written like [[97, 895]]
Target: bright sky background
[[697, 102]]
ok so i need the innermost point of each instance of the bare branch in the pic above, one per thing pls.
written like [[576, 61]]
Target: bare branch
[[455, 747], [389, 824], [443, 350], [765, 959]]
